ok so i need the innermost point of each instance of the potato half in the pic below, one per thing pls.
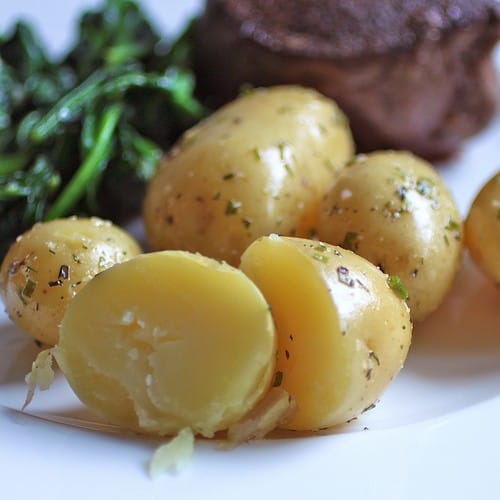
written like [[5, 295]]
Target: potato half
[[482, 228], [169, 340], [48, 264], [343, 333], [394, 209], [258, 165]]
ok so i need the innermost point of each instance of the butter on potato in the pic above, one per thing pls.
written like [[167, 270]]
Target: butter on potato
[[169, 340], [343, 333], [47, 265]]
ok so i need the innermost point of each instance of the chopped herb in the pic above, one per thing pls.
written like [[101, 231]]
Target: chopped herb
[[233, 207], [228, 176], [344, 277], [372, 355], [453, 225], [257, 154], [369, 408], [424, 187], [397, 286], [55, 283], [281, 148], [64, 272], [278, 379], [320, 247], [29, 288], [247, 222], [320, 257]]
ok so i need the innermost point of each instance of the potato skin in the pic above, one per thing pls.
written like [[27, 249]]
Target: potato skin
[[343, 333], [258, 165], [48, 264], [393, 208], [482, 229]]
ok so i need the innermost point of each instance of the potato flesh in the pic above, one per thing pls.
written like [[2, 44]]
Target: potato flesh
[[46, 266], [394, 209], [258, 165], [482, 229], [342, 332], [160, 343]]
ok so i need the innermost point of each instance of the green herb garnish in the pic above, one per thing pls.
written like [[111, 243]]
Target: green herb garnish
[[397, 286]]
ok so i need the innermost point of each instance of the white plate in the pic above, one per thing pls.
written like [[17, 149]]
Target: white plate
[[434, 434]]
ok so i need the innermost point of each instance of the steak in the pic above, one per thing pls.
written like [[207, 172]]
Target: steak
[[415, 74]]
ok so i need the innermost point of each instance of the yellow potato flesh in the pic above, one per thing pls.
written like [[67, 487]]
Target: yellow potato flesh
[[258, 165], [343, 334], [46, 267], [482, 229], [169, 340]]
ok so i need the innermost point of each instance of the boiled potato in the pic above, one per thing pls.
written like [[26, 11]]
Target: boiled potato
[[343, 333], [258, 165], [482, 228], [47, 265], [394, 209], [169, 340]]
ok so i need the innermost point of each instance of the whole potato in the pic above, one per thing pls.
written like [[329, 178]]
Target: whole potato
[[393, 208], [258, 165], [48, 264], [343, 333], [159, 343], [482, 229]]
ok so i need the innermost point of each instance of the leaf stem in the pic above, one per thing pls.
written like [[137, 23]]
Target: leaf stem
[[75, 188]]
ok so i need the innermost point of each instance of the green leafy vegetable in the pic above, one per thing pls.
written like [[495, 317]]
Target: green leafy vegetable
[[83, 135]]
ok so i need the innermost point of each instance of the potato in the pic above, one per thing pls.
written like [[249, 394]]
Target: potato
[[258, 165], [343, 333], [482, 229], [394, 209], [47, 265], [169, 340]]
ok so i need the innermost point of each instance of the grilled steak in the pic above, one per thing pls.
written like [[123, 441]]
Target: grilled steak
[[414, 74]]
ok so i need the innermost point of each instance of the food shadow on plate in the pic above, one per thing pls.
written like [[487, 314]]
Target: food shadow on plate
[[461, 338], [18, 351]]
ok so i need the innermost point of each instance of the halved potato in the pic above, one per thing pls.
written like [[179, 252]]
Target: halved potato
[[169, 340], [343, 333]]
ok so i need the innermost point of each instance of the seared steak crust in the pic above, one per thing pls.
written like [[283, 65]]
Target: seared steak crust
[[415, 74]]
